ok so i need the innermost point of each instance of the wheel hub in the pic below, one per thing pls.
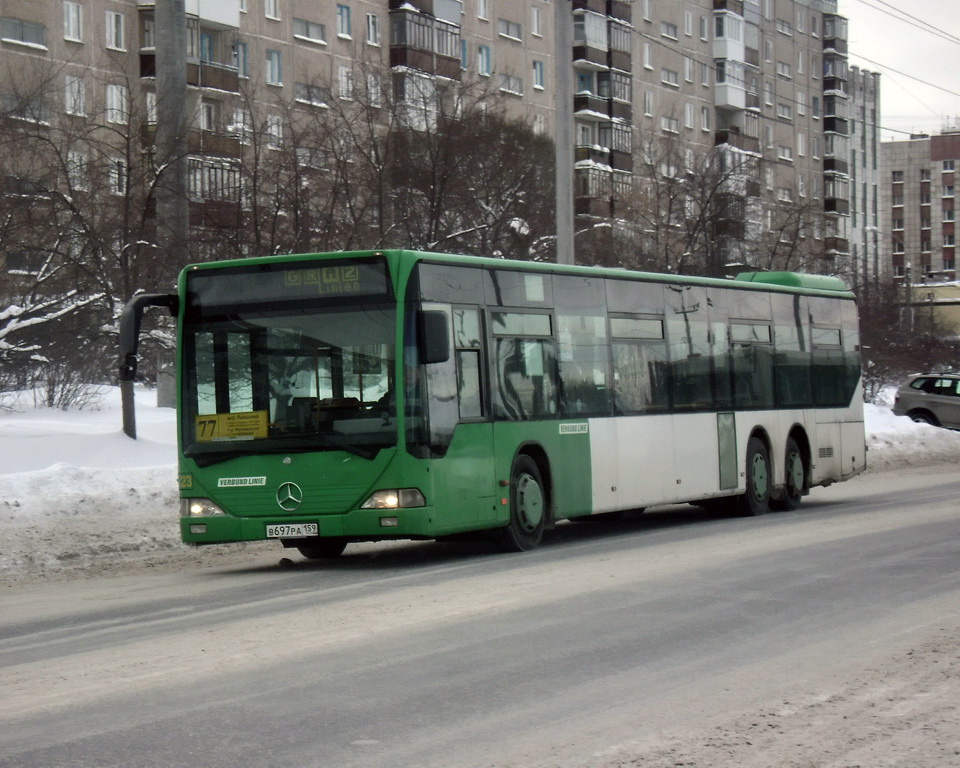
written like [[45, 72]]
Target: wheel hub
[[529, 502]]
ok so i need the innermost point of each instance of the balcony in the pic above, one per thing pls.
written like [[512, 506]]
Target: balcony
[[621, 161], [202, 74], [594, 207], [210, 143], [621, 60], [729, 96], [835, 165], [836, 245], [836, 205], [208, 74], [836, 85], [593, 153], [425, 61], [214, 214], [621, 110], [587, 106], [597, 6], [753, 101], [734, 6], [587, 57], [836, 125], [835, 45], [425, 43], [736, 139], [620, 10]]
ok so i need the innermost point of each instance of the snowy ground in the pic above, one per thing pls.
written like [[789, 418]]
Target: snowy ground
[[78, 498]]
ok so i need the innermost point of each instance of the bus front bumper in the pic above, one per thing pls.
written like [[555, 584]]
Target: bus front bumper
[[359, 524]]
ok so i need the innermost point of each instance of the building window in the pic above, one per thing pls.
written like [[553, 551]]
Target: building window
[[669, 124], [118, 176], [948, 165], [26, 32], [463, 54], [538, 75], [274, 131], [116, 106], [688, 115], [704, 118], [785, 153], [150, 97], [208, 115], [784, 111], [483, 60], [374, 91], [539, 125], [74, 95], [668, 30], [948, 214], [509, 29], [274, 72], [688, 69], [511, 84], [343, 21], [536, 23], [241, 59], [115, 39], [309, 30], [314, 95], [72, 21], [345, 83], [768, 93], [482, 12], [897, 177], [76, 169], [648, 103], [271, 9], [373, 29], [898, 223], [669, 77], [784, 70], [647, 56]]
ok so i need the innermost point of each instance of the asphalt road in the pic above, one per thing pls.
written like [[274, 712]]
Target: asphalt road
[[449, 655]]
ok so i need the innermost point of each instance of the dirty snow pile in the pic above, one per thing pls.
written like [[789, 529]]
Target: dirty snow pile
[[74, 491]]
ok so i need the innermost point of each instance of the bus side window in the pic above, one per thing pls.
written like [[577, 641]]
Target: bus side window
[[525, 360], [467, 341], [640, 368], [752, 345]]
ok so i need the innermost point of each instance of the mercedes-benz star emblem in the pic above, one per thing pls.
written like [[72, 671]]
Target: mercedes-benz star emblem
[[289, 496]]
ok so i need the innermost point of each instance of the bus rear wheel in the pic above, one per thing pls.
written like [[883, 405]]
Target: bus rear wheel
[[322, 549], [795, 481], [756, 499], [527, 508]]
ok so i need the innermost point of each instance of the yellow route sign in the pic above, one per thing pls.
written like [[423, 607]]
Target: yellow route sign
[[231, 426]]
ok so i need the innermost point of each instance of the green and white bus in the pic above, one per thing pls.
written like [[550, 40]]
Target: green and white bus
[[358, 396]]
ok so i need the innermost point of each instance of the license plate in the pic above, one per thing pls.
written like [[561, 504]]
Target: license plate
[[292, 530]]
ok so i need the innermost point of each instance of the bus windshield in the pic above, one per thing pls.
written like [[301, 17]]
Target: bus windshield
[[303, 380]]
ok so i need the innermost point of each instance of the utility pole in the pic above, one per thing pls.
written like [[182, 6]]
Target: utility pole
[[563, 129], [169, 156]]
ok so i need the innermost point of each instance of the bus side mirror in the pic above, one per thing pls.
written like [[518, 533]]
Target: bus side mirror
[[433, 336], [130, 320]]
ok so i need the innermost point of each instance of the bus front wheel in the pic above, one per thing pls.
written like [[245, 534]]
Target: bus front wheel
[[756, 499], [527, 508], [322, 549]]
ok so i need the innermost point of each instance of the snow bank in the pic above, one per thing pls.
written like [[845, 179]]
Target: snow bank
[[74, 491]]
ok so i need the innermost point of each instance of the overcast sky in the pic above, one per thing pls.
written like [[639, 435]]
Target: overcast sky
[[879, 41]]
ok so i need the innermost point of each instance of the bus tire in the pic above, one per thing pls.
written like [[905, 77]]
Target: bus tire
[[322, 549], [528, 508], [756, 499], [795, 480]]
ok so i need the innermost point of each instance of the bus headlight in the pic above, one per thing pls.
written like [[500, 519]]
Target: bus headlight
[[199, 508], [394, 498]]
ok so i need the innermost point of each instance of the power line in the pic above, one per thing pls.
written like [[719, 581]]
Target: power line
[[913, 21]]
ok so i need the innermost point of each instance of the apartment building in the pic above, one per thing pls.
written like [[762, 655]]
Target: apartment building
[[917, 200], [866, 268], [765, 81]]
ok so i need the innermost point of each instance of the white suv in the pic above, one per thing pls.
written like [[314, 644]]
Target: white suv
[[930, 398]]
